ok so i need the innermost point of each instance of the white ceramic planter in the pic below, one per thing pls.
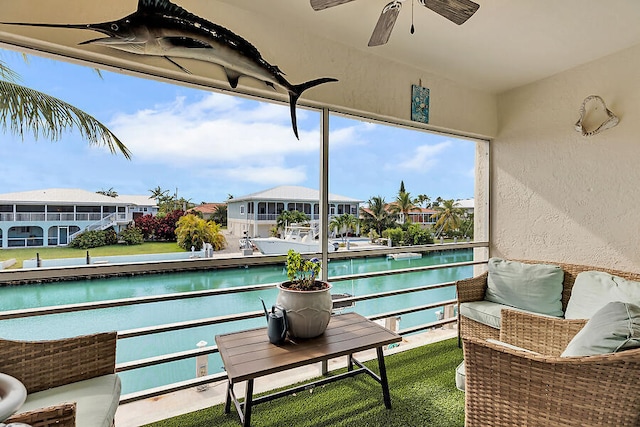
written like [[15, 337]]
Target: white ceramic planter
[[308, 312]]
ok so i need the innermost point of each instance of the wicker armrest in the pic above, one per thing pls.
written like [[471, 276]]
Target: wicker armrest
[[542, 334], [63, 415], [41, 365], [472, 289], [506, 387]]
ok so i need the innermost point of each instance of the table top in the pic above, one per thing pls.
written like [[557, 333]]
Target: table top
[[249, 354]]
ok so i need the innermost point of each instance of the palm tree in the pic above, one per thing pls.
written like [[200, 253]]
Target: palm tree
[[24, 110], [336, 224], [290, 217], [110, 192], [350, 222], [448, 217], [220, 215], [403, 205], [376, 216], [422, 200], [159, 194], [343, 224]]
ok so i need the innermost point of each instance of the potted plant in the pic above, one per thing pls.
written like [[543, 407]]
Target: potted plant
[[306, 299]]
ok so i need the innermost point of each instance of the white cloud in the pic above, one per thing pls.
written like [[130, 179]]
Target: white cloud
[[217, 130], [422, 158], [351, 135], [268, 175]]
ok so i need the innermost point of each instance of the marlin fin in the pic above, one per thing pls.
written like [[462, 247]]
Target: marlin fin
[[177, 65], [232, 77], [294, 94]]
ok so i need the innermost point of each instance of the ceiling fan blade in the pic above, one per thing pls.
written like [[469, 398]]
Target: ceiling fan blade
[[456, 11], [387, 20], [325, 4]]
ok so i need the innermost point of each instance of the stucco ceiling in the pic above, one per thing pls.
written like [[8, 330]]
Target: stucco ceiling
[[506, 44]]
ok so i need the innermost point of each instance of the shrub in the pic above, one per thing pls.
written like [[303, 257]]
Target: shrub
[[396, 235], [110, 236], [160, 227], [194, 231], [166, 229], [147, 224], [89, 239], [416, 235], [132, 236]]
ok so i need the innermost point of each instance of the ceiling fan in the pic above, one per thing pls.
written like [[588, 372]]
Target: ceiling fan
[[456, 11]]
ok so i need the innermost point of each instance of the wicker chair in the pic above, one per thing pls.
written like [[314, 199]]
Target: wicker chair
[[506, 387], [474, 289], [41, 365]]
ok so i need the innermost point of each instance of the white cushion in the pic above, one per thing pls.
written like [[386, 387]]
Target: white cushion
[[96, 400], [488, 313], [593, 290], [485, 312], [460, 376]]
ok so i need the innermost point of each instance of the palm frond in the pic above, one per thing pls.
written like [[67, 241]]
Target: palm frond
[[24, 110], [7, 73]]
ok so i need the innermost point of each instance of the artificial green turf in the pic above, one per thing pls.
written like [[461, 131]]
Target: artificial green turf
[[423, 393]]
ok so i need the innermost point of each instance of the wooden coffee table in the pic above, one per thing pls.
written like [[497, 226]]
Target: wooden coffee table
[[249, 355]]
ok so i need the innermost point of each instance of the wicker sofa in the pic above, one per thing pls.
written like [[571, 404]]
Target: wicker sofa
[[509, 387], [474, 289], [69, 381]]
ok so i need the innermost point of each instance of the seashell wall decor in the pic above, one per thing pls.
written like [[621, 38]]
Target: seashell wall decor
[[611, 120]]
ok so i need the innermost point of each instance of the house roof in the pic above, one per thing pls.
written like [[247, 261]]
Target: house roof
[[465, 203], [136, 199], [293, 193], [73, 195], [207, 208]]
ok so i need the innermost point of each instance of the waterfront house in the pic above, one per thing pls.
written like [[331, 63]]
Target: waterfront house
[[257, 213], [426, 216], [51, 217]]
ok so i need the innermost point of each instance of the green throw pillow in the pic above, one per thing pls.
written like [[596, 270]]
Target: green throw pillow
[[531, 287], [615, 327]]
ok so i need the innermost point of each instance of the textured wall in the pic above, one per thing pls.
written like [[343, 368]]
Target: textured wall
[[556, 195]]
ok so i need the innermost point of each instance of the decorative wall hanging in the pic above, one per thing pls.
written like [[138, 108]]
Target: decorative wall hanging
[[161, 28], [611, 120], [419, 104]]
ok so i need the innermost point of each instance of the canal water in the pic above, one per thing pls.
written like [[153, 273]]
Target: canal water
[[130, 317]]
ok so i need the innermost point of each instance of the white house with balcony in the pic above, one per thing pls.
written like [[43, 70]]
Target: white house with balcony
[[257, 213], [52, 216]]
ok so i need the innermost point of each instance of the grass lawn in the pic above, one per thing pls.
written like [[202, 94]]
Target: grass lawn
[[422, 386], [21, 254]]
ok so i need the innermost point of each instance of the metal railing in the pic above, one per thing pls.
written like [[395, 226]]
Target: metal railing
[[263, 260], [60, 216]]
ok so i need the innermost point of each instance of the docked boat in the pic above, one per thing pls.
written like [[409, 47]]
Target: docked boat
[[299, 238], [405, 255]]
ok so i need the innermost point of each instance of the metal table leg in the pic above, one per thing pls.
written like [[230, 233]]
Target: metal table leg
[[227, 403], [383, 378], [248, 403]]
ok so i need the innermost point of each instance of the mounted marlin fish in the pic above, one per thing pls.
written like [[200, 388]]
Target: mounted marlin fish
[[161, 28]]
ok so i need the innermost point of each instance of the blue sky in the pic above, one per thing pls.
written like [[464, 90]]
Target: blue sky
[[209, 145]]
